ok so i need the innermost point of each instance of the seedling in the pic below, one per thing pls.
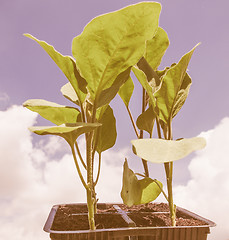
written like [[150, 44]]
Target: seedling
[[103, 55]]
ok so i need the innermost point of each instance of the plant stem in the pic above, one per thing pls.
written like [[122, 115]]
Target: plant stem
[[90, 189], [78, 168], [99, 167], [169, 175], [80, 156], [133, 123]]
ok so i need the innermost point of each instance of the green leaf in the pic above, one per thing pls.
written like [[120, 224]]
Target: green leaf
[[68, 91], [156, 47], [108, 94], [126, 91], [142, 78], [107, 132], [135, 192], [67, 66], [113, 42], [55, 113], [146, 120], [161, 151], [70, 132], [182, 95], [172, 83], [149, 72]]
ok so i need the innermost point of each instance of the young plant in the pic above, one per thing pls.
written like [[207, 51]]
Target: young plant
[[103, 55], [164, 93]]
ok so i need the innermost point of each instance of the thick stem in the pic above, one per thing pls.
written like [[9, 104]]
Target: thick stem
[[90, 189], [169, 175]]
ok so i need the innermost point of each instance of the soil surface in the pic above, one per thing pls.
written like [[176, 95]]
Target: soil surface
[[74, 217]]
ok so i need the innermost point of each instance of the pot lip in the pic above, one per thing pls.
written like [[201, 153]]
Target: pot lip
[[49, 221]]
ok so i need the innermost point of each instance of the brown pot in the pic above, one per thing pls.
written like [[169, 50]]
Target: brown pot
[[128, 228]]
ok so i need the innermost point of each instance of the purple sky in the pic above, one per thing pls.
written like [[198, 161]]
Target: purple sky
[[26, 71]]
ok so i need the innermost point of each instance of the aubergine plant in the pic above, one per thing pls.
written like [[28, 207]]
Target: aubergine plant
[[163, 94], [103, 55]]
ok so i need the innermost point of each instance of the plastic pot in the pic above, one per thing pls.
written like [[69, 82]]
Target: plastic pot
[[129, 231]]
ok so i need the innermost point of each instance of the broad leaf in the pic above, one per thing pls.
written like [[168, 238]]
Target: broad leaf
[[113, 42], [68, 91], [135, 192], [107, 132], [161, 151], [55, 113], [70, 132], [156, 47], [67, 66], [126, 91], [146, 120], [172, 83]]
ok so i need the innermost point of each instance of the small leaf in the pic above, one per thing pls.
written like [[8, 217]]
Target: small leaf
[[182, 95], [150, 189], [55, 113], [107, 132], [68, 91], [70, 132], [156, 47], [135, 192], [126, 91], [146, 120], [131, 192], [67, 66], [108, 94], [161, 151], [172, 82], [142, 78], [117, 42]]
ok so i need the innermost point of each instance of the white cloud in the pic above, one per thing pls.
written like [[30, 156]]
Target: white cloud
[[4, 100], [207, 192], [33, 178]]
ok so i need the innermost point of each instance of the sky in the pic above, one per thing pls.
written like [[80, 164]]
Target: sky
[[30, 173]]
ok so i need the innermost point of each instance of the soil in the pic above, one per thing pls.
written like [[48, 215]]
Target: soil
[[72, 217]]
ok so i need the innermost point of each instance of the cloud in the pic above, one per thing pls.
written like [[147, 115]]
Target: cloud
[[4, 100], [35, 176], [207, 192]]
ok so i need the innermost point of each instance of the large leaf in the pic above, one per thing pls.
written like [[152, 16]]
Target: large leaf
[[55, 113], [156, 47], [172, 83], [67, 66], [126, 91], [113, 42], [107, 132], [161, 151], [135, 192], [70, 132], [146, 120]]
